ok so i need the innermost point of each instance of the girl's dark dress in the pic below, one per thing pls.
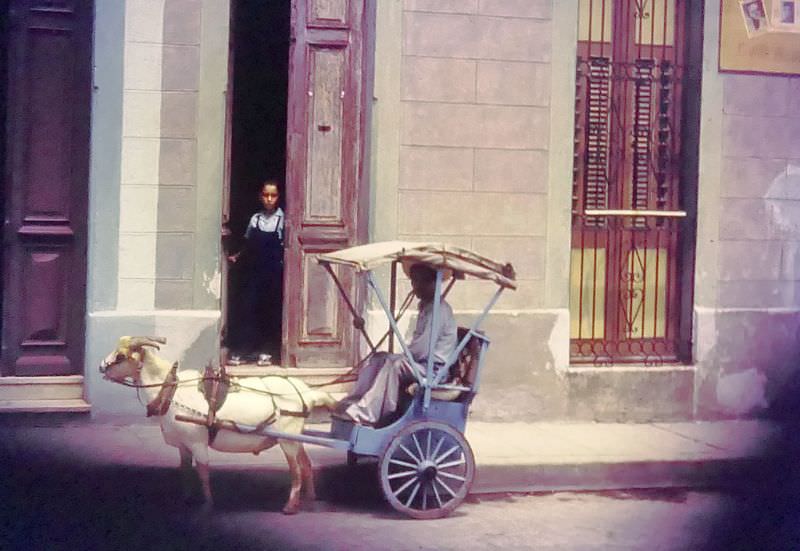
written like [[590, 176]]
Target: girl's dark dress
[[259, 328]]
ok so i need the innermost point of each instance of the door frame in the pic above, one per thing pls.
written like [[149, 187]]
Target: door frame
[[622, 237], [294, 184]]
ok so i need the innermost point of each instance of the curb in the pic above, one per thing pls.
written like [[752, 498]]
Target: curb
[[599, 476]]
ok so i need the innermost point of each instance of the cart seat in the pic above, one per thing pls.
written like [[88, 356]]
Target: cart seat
[[462, 373]]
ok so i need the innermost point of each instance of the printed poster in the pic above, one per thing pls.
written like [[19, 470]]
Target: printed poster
[[760, 36]]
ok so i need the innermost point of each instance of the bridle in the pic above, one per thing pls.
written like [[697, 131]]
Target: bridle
[[138, 377]]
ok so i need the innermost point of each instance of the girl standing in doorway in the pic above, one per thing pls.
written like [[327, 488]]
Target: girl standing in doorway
[[257, 334]]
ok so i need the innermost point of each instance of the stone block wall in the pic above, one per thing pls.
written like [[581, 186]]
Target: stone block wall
[[156, 182], [475, 133], [159, 177], [466, 151], [749, 351]]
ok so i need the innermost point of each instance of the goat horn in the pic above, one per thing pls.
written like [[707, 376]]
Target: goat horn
[[154, 342]]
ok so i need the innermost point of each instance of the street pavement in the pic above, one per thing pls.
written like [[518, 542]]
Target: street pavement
[[510, 456], [111, 484]]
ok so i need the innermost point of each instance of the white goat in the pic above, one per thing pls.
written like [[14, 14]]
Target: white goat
[[258, 400]]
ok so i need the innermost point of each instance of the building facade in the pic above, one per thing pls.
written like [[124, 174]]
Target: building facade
[[646, 199]]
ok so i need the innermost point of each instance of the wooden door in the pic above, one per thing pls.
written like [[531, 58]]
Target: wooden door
[[48, 94], [329, 87]]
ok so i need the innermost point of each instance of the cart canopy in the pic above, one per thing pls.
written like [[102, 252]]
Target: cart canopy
[[436, 255]]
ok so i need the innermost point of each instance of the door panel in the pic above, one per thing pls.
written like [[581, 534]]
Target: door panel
[[46, 186], [325, 193]]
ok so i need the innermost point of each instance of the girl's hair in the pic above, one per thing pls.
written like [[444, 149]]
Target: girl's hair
[[271, 182]]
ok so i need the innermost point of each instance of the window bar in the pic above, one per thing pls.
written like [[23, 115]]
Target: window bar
[[580, 286], [653, 29], [620, 292], [644, 281], [591, 20], [639, 10], [594, 286], [655, 305], [602, 29]]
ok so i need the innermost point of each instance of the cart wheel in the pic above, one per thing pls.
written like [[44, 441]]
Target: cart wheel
[[427, 470]]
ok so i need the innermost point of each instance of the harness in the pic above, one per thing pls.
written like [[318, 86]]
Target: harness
[[215, 385], [160, 404]]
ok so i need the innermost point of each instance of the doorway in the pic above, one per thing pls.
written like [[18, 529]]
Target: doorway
[[260, 33], [301, 74]]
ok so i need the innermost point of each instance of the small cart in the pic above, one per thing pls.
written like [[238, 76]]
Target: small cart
[[426, 466]]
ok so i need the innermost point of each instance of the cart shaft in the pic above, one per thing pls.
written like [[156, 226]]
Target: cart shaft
[[264, 431]]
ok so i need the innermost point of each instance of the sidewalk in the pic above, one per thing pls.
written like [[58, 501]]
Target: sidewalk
[[510, 457]]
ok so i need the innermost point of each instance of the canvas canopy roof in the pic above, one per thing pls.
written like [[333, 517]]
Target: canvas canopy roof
[[437, 255]]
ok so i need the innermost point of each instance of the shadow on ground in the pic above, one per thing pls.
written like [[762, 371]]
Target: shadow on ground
[[764, 513], [51, 502]]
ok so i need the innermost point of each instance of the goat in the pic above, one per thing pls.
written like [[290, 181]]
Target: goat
[[279, 401]]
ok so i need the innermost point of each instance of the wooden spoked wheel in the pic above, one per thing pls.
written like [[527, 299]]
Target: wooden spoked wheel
[[427, 470]]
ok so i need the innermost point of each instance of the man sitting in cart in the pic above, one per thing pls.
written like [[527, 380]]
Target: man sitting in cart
[[380, 381]]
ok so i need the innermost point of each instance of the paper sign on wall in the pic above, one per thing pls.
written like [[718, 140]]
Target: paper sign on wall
[[760, 36]]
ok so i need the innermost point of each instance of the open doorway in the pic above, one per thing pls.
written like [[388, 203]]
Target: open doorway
[[260, 65]]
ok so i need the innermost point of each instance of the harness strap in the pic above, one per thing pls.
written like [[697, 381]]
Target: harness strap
[[160, 404], [305, 412]]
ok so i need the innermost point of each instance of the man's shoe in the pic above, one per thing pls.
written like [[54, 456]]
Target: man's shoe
[[235, 360]]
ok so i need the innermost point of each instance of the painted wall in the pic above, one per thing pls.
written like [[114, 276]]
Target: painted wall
[[472, 146], [748, 272], [156, 182]]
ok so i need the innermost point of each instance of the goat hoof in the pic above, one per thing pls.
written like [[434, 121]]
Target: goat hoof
[[290, 510]]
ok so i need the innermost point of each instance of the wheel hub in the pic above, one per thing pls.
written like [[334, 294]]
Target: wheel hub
[[427, 471]]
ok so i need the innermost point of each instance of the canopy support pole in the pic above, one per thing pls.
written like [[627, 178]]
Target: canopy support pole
[[358, 321], [392, 301], [474, 328], [392, 322], [432, 338]]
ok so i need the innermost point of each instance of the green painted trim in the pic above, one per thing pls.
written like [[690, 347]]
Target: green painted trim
[[562, 129], [710, 166], [210, 150], [386, 121], [106, 157]]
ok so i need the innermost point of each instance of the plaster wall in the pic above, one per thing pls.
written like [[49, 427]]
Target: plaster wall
[[472, 145], [156, 180], [747, 280]]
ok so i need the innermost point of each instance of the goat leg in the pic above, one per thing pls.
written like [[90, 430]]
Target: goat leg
[[307, 472], [204, 472], [291, 451]]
